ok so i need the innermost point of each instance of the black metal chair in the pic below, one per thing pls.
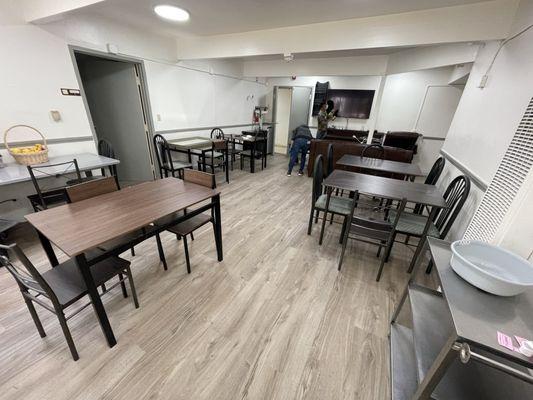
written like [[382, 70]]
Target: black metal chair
[[218, 157], [431, 179], [106, 149], [337, 205], [47, 197], [62, 286], [187, 227], [412, 224], [329, 163], [165, 162], [217, 133], [5, 225], [259, 150], [368, 230]]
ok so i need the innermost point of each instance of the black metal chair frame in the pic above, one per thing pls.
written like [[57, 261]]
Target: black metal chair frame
[[210, 159], [374, 146], [5, 226], [375, 232], [317, 191], [455, 196], [44, 198], [106, 149], [35, 289], [165, 162]]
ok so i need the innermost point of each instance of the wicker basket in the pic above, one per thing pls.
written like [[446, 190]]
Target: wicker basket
[[27, 158]]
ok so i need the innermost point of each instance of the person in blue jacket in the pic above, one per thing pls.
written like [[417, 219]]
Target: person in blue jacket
[[301, 137]]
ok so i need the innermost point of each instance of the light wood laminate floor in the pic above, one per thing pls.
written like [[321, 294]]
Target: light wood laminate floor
[[274, 320]]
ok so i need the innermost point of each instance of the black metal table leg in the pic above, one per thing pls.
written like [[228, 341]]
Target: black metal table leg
[[422, 239], [252, 159], [218, 227], [48, 249], [325, 216], [95, 299], [227, 164]]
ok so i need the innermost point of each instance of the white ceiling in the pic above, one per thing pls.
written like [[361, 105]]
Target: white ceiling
[[211, 17]]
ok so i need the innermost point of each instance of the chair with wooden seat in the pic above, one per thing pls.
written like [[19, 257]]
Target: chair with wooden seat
[[365, 228], [412, 224], [337, 205], [187, 227], [60, 287], [166, 164], [49, 196], [106, 149], [218, 157], [105, 185]]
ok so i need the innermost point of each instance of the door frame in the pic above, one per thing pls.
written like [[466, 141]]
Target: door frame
[[275, 103], [145, 98]]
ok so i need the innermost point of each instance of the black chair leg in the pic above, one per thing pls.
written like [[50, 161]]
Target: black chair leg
[[35, 317], [381, 265], [66, 333], [132, 251], [161, 252], [316, 216], [123, 286], [430, 267], [310, 221], [389, 249], [344, 242], [344, 224], [132, 287], [187, 261], [192, 236]]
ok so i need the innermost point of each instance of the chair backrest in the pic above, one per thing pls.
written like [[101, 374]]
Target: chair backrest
[[26, 275], [318, 177], [90, 189], [200, 178], [329, 167], [217, 133], [58, 170], [220, 144], [161, 151], [373, 151], [455, 196], [106, 149], [436, 171]]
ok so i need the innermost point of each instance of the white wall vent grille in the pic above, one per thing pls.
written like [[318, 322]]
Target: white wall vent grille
[[508, 179]]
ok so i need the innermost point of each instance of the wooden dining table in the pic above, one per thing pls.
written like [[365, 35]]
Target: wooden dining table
[[378, 165], [80, 227], [199, 146], [391, 189]]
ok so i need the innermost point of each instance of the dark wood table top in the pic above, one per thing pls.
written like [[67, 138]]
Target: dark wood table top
[[375, 164], [386, 187], [191, 143], [78, 227]]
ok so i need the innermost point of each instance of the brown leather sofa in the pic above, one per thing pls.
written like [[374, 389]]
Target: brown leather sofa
[[342, 147]]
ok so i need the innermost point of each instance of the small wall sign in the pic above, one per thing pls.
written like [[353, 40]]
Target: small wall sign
[[70, 92]]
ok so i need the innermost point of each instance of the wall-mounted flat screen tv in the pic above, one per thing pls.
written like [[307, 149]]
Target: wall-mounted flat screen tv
[[352, 103]]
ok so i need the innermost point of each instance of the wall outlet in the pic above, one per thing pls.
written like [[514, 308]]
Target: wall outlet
[[56, 115]]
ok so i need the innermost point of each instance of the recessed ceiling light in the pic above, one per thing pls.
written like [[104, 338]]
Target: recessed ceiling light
[[172, 13]]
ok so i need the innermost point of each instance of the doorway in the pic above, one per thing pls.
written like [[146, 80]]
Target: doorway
[[115, 98], [291, 109]]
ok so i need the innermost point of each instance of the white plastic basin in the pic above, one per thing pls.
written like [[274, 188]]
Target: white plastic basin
[[491, 268]]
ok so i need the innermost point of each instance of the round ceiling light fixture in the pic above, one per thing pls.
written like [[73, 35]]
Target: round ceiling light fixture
[[172, 13]]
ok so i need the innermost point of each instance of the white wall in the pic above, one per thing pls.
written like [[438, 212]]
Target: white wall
[[486, 119], [336, 82]]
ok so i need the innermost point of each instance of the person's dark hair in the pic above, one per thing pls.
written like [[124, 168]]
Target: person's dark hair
[[331, 104], [322, 104]]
